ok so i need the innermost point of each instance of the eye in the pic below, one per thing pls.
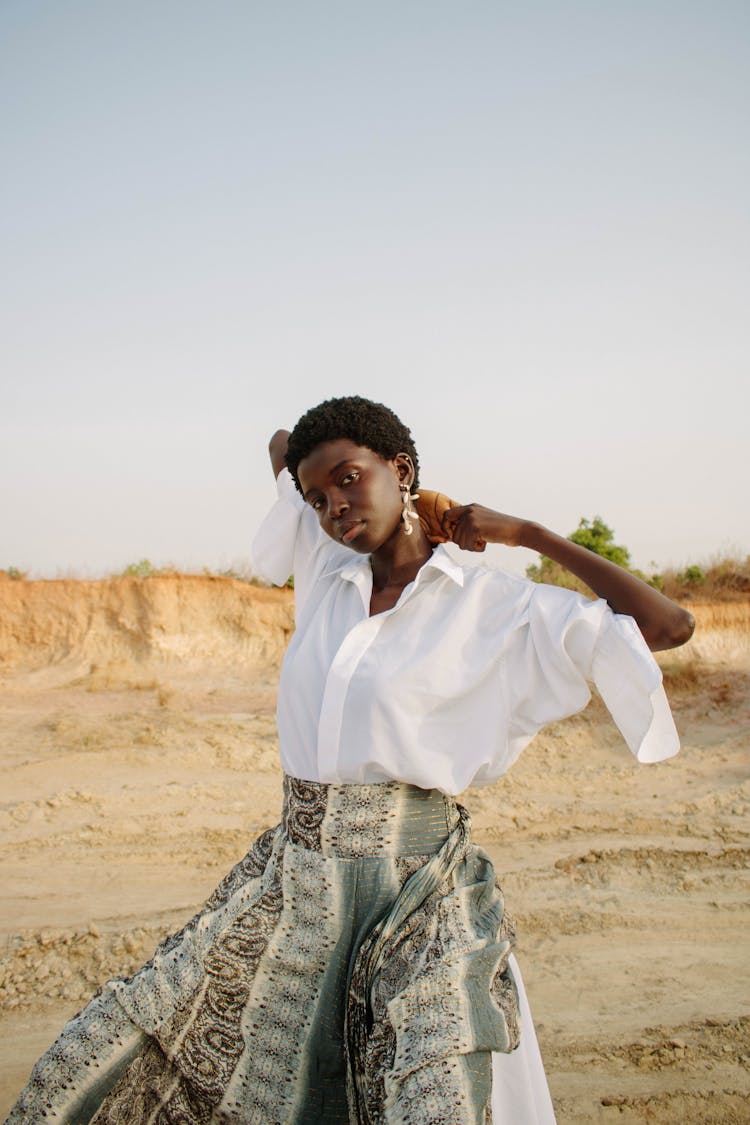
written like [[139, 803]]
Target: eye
[[316, 503], [350, 477]]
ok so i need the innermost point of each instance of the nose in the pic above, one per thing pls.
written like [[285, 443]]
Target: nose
[[337, 504]]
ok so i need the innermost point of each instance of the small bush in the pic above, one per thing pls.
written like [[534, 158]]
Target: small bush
[[143, 569], [693, 575], [595, 536], [15, 574], [724, 578], [553, 574]]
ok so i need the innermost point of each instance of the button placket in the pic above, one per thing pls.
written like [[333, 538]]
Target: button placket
[[343, 667], [353, 647]]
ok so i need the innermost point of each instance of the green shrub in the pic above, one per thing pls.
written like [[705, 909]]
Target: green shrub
[[595, 536], [16, 574], [693, 575], [142, 569]]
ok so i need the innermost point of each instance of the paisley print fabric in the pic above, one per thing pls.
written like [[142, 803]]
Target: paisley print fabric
[[352, 968]]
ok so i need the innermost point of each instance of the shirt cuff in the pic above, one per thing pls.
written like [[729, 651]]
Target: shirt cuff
[[630, 682], [286, 489], [272, 551]]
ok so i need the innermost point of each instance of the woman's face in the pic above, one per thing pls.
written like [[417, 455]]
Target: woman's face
[[355, 493]]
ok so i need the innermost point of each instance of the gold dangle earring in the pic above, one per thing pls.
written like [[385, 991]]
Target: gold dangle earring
[[407, 513]]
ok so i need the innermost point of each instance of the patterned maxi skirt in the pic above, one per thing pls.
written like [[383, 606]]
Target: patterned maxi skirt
[[352, 968]]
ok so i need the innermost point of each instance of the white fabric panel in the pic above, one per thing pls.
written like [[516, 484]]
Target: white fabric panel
[[447, 688]]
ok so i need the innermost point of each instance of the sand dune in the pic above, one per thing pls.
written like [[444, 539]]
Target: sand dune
[[139, 749]]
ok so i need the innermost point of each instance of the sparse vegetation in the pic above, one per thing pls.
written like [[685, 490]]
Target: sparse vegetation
[[14, 574], [142, 569], [724, 578], [239, 575], [693, 576], [595, 536]]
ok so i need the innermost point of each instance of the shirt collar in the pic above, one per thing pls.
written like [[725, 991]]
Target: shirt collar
[[442, 560], [439, 560]]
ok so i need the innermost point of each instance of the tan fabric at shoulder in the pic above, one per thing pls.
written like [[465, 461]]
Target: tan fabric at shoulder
[[431, 506]]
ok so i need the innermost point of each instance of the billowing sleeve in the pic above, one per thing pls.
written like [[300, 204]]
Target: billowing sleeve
[[289, 542], [565, 641]]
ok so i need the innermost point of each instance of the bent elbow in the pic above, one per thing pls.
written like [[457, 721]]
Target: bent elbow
[[278, 441], [676, 633], [689, 628]]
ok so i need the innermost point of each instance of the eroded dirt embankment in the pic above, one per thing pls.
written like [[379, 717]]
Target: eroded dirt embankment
[[184, 617]]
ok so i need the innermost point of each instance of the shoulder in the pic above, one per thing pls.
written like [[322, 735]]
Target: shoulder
[[517, 601], [492, 582], [494, 599]]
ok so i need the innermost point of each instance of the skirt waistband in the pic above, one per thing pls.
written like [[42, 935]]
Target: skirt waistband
[[367, 820]]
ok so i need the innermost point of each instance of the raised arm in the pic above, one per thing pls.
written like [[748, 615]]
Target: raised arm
[[277, 450], [662, 623]]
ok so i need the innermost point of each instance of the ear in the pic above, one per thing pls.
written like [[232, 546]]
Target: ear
[[404, 469]]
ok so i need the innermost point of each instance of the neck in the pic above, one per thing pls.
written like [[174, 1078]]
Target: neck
[[399, 559]]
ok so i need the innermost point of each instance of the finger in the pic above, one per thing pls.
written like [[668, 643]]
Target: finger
[[450, 519], [466, 538], [473, 542], [451, 515], [460, 531]]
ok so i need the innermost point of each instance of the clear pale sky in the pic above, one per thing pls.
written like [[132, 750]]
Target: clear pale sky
[[524, 226]]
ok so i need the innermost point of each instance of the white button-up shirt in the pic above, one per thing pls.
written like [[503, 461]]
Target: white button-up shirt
[[445, 689]]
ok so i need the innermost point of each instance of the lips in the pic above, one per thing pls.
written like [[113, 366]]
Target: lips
[[350, 530]]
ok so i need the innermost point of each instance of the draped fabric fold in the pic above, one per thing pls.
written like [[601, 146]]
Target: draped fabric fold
[[447, 999], [353, 967]]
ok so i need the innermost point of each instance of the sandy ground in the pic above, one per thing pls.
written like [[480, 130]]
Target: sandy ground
[[139, 754]]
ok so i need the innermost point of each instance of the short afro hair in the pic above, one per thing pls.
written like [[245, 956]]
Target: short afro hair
[[364, 422]]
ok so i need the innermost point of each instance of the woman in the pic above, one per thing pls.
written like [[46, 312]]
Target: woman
[[356, 965]]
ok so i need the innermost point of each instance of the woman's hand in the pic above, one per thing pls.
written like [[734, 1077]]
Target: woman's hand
[[472, 527]]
